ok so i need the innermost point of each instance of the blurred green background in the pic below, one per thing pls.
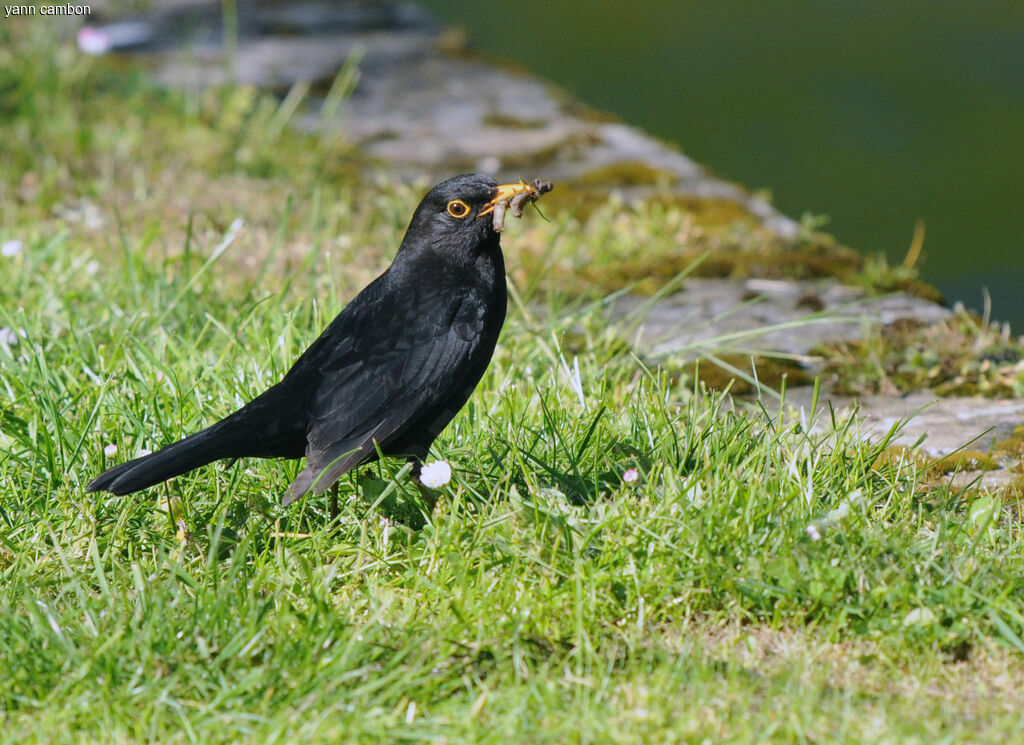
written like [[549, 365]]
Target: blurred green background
[[875, 113]]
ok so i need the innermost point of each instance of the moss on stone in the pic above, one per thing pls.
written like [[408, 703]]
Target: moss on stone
[[964, 355], [933, 470], [506, 121], [626, 173], [771, 372], [1012, 449]]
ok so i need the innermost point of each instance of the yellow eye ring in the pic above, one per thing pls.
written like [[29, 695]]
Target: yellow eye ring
[[458, 209]]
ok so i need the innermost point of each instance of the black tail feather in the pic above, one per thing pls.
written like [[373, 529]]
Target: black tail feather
[[183, 456], [273, 425]]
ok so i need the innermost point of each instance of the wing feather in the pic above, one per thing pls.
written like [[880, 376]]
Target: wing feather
[[373, 393]]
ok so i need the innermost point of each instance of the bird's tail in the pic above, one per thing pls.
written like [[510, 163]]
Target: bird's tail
[[194, 451]]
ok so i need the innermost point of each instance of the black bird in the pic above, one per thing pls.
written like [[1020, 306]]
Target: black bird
[[391, 370]]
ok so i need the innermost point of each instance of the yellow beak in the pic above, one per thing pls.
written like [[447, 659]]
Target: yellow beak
[[505, 194]]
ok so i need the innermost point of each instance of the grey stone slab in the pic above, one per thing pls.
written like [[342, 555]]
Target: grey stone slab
[[761, 315]]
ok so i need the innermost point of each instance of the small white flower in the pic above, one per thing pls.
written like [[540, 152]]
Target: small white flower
[[110, 450], [630, 476], [8, 336], [143, 452], [11, 247], [435, 474], [93, 41], [812, 532]]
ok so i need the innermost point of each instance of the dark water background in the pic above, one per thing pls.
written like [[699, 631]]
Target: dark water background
[[873, 112]]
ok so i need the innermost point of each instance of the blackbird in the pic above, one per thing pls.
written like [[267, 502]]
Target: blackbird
[[391, 370]]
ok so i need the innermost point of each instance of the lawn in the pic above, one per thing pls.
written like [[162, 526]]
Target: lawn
[[621, 555]]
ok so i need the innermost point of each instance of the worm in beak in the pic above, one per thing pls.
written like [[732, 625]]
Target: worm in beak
[[514, 197]]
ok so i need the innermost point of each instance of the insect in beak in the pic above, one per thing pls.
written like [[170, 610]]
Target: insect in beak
[[514, 196]]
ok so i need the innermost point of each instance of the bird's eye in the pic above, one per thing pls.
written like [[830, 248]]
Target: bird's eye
[[458, 208]]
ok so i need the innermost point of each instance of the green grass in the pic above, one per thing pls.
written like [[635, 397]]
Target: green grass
[[544, 600]]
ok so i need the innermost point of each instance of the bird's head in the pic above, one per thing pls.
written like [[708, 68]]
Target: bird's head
[[460, 212]]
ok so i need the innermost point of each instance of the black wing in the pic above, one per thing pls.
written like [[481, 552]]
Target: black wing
[[394, 367]]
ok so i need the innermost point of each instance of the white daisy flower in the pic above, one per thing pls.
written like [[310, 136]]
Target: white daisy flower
[[11, 248], [630, 476], [93, 41], [435, 474], [110, 450]]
